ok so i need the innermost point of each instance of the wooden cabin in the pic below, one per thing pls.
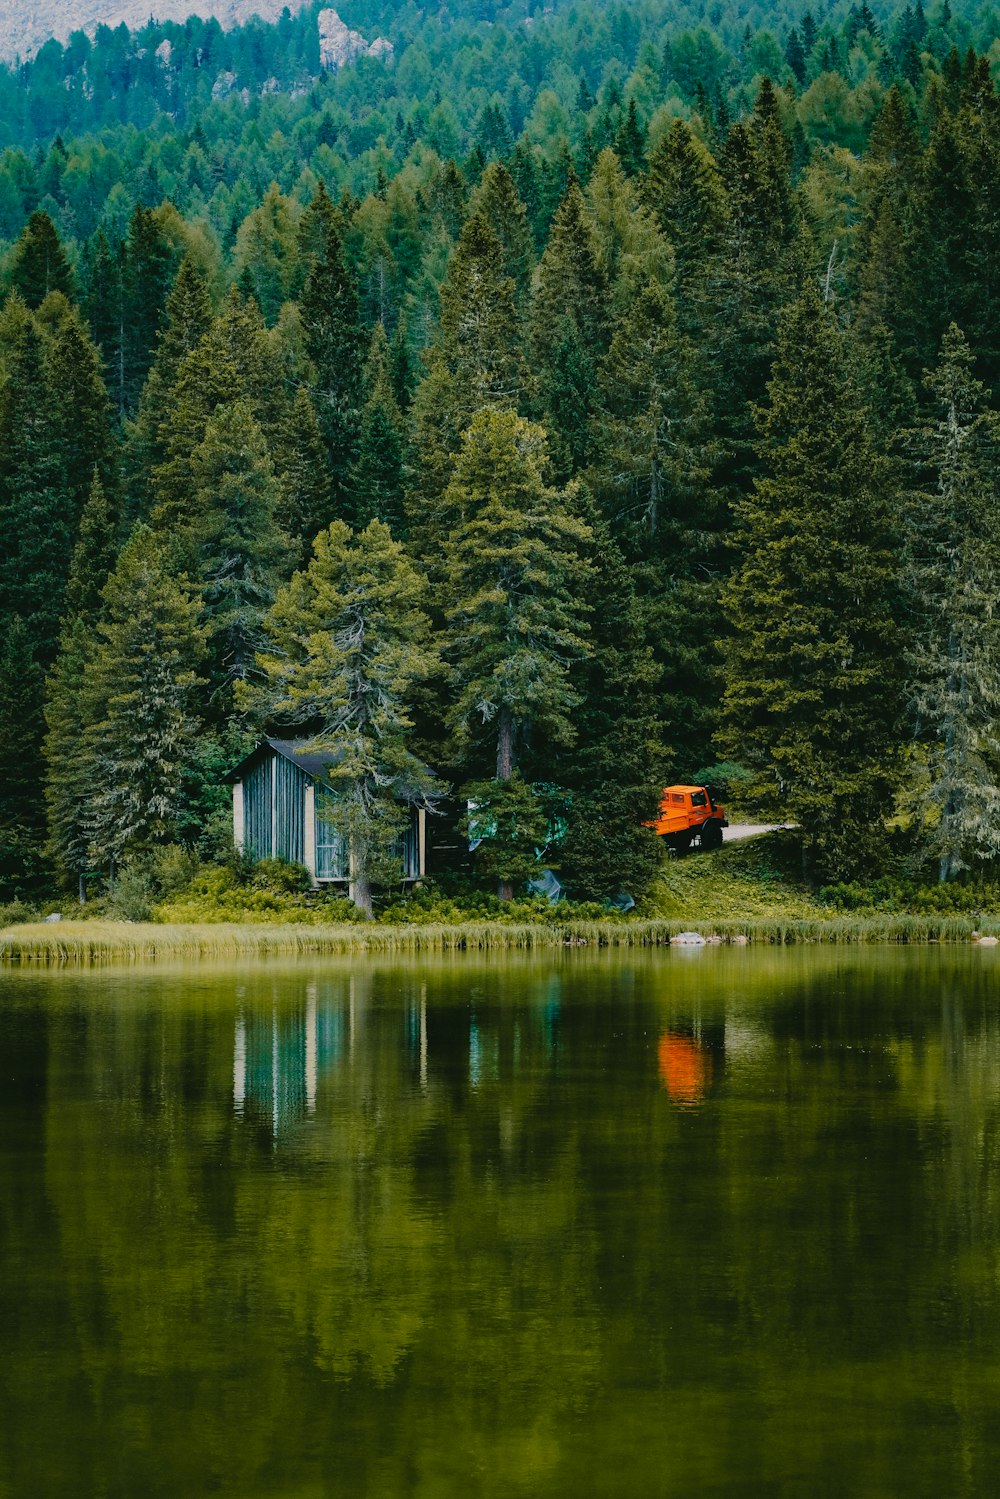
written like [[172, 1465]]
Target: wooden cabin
[[282, 810]]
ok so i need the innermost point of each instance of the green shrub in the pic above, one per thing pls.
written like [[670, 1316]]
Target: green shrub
[[281, 876], [14, 912], [132, 896]]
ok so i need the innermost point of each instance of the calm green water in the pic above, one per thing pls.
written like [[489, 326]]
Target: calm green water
[[722, 1223]]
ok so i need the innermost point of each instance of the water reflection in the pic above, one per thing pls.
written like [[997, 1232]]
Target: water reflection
[[582, 1225]]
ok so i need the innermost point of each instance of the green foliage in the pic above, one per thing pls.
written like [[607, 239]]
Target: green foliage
[[815, 678], [348, 642]]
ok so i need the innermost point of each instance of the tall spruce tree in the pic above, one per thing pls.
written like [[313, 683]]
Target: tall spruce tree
[[305, 502], [242, 555], [348, 643], [36, 504], [476, 360], [517, 578], [40, 264], [22, 809], [378, 473], [569, 328], [813, 664], [187, 319], [141, 684], [334, 341], [954, 572], [68, 771]]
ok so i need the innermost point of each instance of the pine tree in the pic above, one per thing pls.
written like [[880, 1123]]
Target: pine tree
[[477, 360], [685, 192], [954, 570], [653, 473], [187, 319], [334, 341], [267, 253], [305, 503], [22, 813], [146, 275], [83, 411], [94, 554], [39, 263], [36, 505], [320, 217], [141, 684], [349, 642], [496, 198], [241, 553], [569, 329], [813, 688], [517, 578], [234, 361], [378, 473], [68, 783], [615, 768], [630, 142], [102, 300]]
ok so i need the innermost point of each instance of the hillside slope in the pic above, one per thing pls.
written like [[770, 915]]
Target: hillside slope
[[26, 25]]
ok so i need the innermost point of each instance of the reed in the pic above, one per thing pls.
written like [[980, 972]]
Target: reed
[[97, 942]]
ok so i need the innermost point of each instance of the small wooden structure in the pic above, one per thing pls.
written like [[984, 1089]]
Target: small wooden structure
[[283, 810]]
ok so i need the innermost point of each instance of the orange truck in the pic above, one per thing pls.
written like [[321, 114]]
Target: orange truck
[[688, 815]]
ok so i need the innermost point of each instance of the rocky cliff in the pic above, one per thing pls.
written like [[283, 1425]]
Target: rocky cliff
[[25, 25], [339, 45]]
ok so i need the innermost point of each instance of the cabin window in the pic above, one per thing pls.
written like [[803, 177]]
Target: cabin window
[[333, 860], [699, 799], [677, 796]]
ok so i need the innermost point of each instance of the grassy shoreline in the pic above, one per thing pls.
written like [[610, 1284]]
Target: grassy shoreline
[[98, 942]]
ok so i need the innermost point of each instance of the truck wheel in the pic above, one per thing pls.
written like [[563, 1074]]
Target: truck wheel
[[711, 834], [678, 844]]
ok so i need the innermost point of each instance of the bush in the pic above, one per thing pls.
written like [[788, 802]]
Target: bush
[[281, 876], [15, 912], [132, 895]]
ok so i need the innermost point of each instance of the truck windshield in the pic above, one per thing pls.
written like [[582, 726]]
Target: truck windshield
[[699, 799]]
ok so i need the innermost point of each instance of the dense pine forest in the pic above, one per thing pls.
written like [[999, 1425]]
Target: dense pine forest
[[575, 402]]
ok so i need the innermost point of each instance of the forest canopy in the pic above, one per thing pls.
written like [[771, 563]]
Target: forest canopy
[[626, 380]]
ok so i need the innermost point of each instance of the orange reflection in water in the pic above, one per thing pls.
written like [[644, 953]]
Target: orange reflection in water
[[684, 1067]]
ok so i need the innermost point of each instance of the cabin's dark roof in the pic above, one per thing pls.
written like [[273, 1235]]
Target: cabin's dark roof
[[295, 750]]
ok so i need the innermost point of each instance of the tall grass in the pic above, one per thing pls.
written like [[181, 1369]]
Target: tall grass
[[96, 942]]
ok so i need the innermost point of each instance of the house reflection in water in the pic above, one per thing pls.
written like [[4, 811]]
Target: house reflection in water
[[278, 1055]]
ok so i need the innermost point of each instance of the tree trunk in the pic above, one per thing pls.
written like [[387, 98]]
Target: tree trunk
[[363, 895], [505, 745], [82, 890]]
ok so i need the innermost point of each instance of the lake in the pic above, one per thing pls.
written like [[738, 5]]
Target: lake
[[714, 1222]]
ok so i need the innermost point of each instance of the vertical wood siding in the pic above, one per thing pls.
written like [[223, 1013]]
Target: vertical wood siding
[[257, 799], [289, 802]]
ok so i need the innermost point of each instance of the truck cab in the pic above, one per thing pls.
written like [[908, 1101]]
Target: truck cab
[[688, 814]]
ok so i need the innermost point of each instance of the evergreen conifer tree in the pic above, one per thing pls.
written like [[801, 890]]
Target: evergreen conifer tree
[[241, 553], [378, 473], [517, 579], [349, 642], [569, 328], [334, 341], [496, 198], [36, 504], [39, 263], [954, 567], [22, 810], [684, 190], [477, 360], [68, 781], [94, 554], [813, 688], [305, 503], [141, 684]]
